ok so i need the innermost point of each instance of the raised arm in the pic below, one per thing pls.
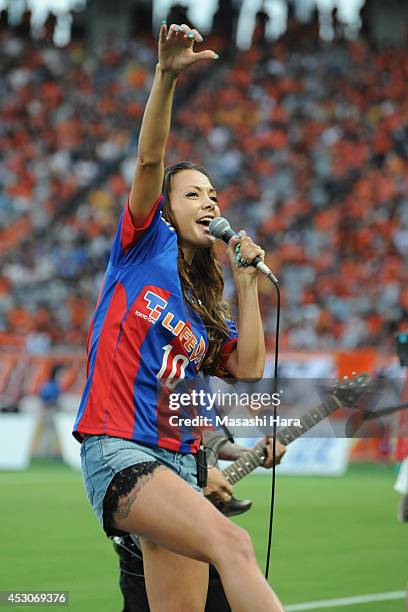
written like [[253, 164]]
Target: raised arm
[[248, 360], [175, 55]]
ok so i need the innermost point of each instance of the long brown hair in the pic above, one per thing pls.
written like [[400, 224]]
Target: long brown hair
[[201, 281]]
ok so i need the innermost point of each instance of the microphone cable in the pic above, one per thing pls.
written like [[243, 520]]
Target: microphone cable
[[220, 228], [275, 389]]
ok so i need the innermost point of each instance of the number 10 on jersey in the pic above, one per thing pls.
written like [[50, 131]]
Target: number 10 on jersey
[[173, 367]]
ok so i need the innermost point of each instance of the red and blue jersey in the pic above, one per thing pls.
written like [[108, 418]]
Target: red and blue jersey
[[143, 338]]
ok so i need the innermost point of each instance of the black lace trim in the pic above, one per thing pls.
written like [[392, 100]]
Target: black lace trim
[[122, 483]]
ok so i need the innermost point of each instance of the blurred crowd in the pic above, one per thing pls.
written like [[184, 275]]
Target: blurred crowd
[[68, 118], [307, 144]]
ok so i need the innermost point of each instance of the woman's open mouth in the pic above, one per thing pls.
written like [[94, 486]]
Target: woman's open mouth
[[205, 222]]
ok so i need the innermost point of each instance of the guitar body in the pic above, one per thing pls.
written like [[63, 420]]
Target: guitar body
[[232, 507]]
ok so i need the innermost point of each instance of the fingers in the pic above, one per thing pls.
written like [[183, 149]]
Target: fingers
[[225, 493], [187, 33], [235, 240], [173, 31], [178, 32], [163, 31], [205, 55], [191, 33], [245, 249], [184, 31], [269, 456], [182, 37], [197, 35], [227, 488], [249, 250], [280, 451], [224, 488], [218, 485]]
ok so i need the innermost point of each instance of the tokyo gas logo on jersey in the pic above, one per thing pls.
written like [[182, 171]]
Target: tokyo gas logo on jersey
[[155, 305]]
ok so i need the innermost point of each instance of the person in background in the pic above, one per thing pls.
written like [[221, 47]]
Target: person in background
[[46, 440]]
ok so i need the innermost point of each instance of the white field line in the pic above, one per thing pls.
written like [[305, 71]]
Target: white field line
[[346, 601]]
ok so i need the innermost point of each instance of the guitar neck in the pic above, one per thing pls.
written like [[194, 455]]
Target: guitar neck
[[255, 457]]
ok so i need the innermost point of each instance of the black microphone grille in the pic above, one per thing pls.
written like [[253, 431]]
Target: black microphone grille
[[218, 226]]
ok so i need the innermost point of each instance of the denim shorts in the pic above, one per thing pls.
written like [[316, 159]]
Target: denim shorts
[[103, 456]]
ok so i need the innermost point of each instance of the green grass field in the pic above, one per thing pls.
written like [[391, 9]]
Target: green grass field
[[333, 537]]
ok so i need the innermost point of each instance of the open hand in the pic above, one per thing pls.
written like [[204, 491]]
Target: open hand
[[176, 48]]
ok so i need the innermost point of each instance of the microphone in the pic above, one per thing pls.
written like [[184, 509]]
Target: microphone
[[221, 229]]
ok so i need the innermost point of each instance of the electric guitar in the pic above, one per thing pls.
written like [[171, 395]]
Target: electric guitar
[[346, 393]]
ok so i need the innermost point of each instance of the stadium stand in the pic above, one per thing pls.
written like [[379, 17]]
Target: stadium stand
[[307, 144]]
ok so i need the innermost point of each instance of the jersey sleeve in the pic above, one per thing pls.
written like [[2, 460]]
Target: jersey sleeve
[[226, 350], [138, 239]]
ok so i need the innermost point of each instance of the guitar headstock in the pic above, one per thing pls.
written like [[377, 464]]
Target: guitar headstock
[[349, 390]]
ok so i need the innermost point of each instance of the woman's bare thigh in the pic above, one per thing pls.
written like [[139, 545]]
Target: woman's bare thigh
[[170, 513]]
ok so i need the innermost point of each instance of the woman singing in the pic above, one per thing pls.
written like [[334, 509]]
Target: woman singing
[[160, 319]]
